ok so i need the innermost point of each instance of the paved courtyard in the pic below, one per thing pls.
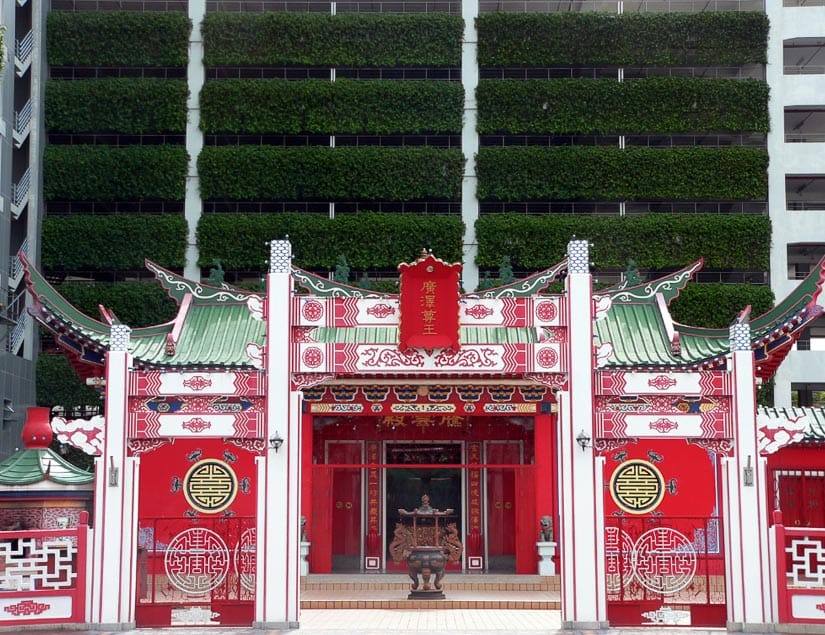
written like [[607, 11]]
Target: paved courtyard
[[404, 622]]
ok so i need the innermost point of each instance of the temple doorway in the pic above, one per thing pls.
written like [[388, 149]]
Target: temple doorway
[[405, 486]]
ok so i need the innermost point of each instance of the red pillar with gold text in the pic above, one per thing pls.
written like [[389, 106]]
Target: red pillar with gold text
[[474, 539]]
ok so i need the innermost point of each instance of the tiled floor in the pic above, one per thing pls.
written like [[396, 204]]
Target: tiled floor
[[406, 618]]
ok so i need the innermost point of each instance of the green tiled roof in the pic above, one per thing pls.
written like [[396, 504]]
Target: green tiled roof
[[215, 324], [215, 329], [637, 333], [389, 335], [212, 335], [27, 467]]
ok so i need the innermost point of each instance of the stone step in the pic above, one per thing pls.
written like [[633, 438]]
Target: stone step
[[461, 591]]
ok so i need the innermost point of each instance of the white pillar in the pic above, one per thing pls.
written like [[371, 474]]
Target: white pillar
[[277, 587], [469, 144], [195, 77], [583, 592], [745, 498], [114, 548]]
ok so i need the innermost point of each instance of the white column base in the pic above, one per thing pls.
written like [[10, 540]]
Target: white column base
[[546, 552], [304, 557]]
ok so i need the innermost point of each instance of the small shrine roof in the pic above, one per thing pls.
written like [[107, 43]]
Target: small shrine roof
[[814, 420], [30, 466]]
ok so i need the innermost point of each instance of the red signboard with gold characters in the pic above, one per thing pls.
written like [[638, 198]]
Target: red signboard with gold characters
[[429, 304]]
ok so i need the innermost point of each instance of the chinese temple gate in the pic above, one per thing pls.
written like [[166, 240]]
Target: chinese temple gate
[[256, 426]]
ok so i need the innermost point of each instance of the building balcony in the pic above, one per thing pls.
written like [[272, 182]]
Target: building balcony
[[23, 51], [20, 194], [22, 124]]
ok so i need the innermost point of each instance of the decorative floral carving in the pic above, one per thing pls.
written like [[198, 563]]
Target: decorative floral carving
[[381, 311], [196, 425], [473, 358], [312, 357], [197, 383], [312, 310], [390, 358], [478, 311], [547, 358], [661, 382], [546, 311], [663, 425]]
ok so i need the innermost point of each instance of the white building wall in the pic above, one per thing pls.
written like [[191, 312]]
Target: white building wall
[[792, 226]]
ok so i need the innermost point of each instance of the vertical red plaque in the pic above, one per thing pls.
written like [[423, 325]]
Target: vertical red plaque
[[429, 304]]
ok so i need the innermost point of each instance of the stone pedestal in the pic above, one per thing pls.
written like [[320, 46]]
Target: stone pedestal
[[546, 552], [304, 557]]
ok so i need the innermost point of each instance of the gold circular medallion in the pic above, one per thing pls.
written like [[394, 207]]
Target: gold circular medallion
[[210, 486], [637, 486]]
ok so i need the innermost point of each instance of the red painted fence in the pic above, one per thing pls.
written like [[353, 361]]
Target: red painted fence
[[43, 575], [800, 560]]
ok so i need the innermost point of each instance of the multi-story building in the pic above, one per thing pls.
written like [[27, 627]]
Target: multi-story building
[[796, 76], [480, 130], [21, 84]]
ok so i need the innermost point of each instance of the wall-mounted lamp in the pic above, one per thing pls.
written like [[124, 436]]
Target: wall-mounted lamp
[[583, 440], [114, 472], [276, 441], [747, 473]]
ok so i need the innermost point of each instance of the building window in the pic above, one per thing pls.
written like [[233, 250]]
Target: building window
[[805, 191], [804, 56], [804, 124]]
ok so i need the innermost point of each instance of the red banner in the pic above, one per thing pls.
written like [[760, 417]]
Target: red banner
[[429, 304]]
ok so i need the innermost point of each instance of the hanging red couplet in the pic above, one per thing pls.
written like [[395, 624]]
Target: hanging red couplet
[[429, 304]]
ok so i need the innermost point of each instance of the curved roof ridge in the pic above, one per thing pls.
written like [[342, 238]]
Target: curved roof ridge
[[669, 286], [46, 297], [523, 287], [324, 287], [177, 286]]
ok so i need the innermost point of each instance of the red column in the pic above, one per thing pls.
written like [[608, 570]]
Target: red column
[[526, 526], [545, 487], [545, 470], [320, 553], [306, 472]]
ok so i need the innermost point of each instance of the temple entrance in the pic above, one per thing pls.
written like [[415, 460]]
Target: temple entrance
[[196, 554], [406, 486], [365, 468], [664, 546]]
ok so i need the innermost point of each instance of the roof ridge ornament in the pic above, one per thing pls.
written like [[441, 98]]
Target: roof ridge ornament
[[578, 254], [740, 332], [280, 256]]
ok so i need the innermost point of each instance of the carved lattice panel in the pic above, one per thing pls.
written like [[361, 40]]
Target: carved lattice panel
[[31, 563], [806, 563]]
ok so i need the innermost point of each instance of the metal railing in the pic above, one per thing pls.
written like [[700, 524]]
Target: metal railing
[[23, 49], [16, 264], [810, 69], [22, 123], [20, 190], [16, 313], [804, 137], [805, 205]]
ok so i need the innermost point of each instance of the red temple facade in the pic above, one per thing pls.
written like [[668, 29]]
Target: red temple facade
[[581, 434]]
